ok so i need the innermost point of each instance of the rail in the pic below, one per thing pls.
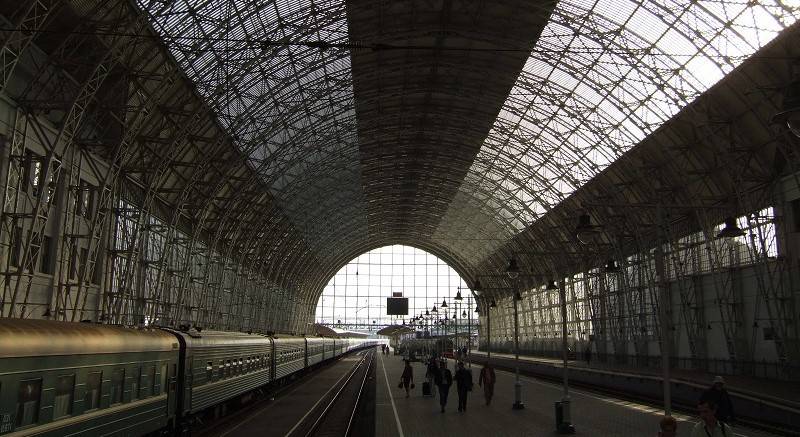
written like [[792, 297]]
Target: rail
[[338, 415]]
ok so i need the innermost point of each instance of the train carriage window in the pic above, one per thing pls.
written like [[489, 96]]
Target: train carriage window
[[65, 390], [209, 371], [149, 389], [30, 392], [151, 373], [228, 368], [91, 400], [221, 370], [163, 378], [117, 385], [136, 383]]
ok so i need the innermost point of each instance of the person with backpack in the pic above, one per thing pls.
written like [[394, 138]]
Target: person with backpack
[[443, 379]]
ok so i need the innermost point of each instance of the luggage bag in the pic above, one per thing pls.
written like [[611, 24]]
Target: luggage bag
[[426, 389]]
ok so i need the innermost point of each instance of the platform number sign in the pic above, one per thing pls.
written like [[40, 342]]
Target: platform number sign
[[6, 423]]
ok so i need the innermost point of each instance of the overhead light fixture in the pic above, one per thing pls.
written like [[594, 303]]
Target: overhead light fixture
[[477, 287], [585, 232], [458, 296], [444, 304], [434, 310], [790, 110], [464, 314], [427, 313], [551, 285], [611, 266], [513, 269], [731, 229]]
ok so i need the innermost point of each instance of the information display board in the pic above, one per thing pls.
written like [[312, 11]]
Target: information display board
[[397, 306]]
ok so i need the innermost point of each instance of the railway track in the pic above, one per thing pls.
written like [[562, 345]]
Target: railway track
[[336, 413]]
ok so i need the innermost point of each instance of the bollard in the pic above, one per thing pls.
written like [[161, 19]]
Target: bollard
[[563, 419], [559, 415]]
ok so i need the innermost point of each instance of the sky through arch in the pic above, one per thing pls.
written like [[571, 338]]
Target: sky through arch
[[356, 295]]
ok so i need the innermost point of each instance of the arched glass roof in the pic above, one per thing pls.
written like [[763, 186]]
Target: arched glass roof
[[603, 75], [454, 126]]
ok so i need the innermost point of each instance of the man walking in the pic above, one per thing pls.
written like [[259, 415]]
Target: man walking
[[720, 397], [444, 379], [709, 426], [463, 384]]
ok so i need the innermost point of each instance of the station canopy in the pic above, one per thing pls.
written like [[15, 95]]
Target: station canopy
[[395, 330], [478, 131]]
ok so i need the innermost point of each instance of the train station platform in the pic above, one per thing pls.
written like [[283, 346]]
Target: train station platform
[[781, 392], [592, 413]]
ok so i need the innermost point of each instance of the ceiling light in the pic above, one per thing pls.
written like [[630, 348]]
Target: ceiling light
[[611, 266], [585, 232], [731, 229], [513, 269]]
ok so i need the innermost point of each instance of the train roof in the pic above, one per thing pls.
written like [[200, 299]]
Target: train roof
[[221, 338], [27, 338]]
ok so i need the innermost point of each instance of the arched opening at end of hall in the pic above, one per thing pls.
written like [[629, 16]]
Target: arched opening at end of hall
[[414, 291]]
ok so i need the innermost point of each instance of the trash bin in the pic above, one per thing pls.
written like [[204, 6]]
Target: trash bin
[[563, 426]]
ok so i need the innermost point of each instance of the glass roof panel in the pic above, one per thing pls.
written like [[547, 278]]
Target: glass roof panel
[[288, 106], [603, 76], [269, 95]]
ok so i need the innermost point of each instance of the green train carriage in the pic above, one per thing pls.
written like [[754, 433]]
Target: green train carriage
[[61, 378]]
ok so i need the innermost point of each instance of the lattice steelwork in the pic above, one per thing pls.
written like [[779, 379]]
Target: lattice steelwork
[[290, 107], [603, 76], [217, 162]]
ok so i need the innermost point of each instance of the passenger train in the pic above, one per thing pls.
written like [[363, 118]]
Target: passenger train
[[61, 378]]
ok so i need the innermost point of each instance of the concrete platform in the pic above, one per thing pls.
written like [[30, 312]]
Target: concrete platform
[[782, 392], [593, 414]]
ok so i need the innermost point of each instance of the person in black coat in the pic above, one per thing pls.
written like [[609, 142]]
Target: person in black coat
[[720, 397], [463, 384], [443, 380]]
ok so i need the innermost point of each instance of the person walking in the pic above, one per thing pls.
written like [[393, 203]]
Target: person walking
[[667, 427], [720, 397], [407, 378], [463, 385], [709, 426], [588, 355], [430, 375], [487, 379], [443, 379]]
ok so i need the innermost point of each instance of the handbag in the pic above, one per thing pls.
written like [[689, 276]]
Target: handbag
[[400, 385]]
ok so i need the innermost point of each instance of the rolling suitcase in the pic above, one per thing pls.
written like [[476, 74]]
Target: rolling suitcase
[[426, 389]]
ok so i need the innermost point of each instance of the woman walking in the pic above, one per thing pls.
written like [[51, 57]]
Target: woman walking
[[407, 378], [487, 380]]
